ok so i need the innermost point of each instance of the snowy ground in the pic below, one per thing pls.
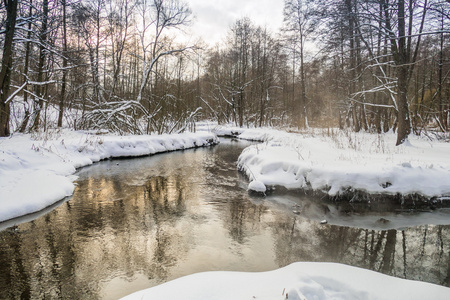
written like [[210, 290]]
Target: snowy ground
[[318, 281], [336, 161], [35, 171]]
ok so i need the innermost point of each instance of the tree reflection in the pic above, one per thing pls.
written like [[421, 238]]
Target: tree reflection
[[111, 228], [237, 218], [14, 274], [407, 253], [166, 205], [387, 263]]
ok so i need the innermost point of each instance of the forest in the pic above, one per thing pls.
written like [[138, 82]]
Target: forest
[[372, 65]]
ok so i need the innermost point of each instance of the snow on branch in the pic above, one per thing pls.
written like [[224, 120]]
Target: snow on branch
[[120, 116]]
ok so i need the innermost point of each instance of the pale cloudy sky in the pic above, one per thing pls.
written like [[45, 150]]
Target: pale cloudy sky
[[214, 18]]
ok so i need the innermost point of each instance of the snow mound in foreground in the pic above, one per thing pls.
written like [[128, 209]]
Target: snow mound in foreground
[[297, 281]]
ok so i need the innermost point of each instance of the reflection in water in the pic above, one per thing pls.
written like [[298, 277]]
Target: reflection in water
[[420, 253], [132, 224]]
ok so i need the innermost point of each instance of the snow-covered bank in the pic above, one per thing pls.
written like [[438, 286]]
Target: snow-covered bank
[[35, 172], [297, 281], [335, 162]]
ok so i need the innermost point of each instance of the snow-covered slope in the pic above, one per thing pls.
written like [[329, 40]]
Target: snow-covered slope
[[319, 281], [35, 171]]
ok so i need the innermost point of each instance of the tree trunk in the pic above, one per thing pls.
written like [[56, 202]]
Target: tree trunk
[[303, 112], [5, 72], [64, 76], [26, 118], [441, 107], [42, 39], [402, 62], [403, 119], [352, 85]]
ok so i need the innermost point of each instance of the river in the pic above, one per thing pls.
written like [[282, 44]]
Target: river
[[135, 223]]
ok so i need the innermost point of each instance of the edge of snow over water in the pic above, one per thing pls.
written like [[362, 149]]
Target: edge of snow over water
[[336, 161], [36, 172], [303, 280]]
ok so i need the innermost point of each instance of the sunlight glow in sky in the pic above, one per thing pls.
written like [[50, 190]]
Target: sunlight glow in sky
[[213, 19]]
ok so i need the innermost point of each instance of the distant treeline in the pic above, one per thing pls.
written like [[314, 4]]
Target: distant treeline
[[372, 65]]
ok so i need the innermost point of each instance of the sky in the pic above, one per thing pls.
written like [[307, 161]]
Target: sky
[[213, 19]]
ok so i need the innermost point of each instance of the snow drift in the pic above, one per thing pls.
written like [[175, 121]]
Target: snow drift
[[319, 281], [334, 161]]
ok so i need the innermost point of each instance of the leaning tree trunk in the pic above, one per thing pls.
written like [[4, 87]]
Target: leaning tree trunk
[[5, 72]]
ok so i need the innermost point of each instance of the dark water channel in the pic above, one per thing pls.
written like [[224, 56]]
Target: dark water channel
[[135, 223]]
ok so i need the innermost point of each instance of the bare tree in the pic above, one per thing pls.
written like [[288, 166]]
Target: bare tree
[[39, 88], [299, 25], [119, 23], [7, 60], [64, 64], [28, 45], [159, 16]]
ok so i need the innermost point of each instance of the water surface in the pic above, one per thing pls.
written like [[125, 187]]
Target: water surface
[[135, 223]]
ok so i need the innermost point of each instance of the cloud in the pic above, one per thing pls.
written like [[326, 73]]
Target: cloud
[[213, 19]]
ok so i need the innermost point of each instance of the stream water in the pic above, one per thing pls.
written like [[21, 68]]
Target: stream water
[[135, 223]]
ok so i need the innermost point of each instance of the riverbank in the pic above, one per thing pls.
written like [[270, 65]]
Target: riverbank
[[36, 170], [342, 164]]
